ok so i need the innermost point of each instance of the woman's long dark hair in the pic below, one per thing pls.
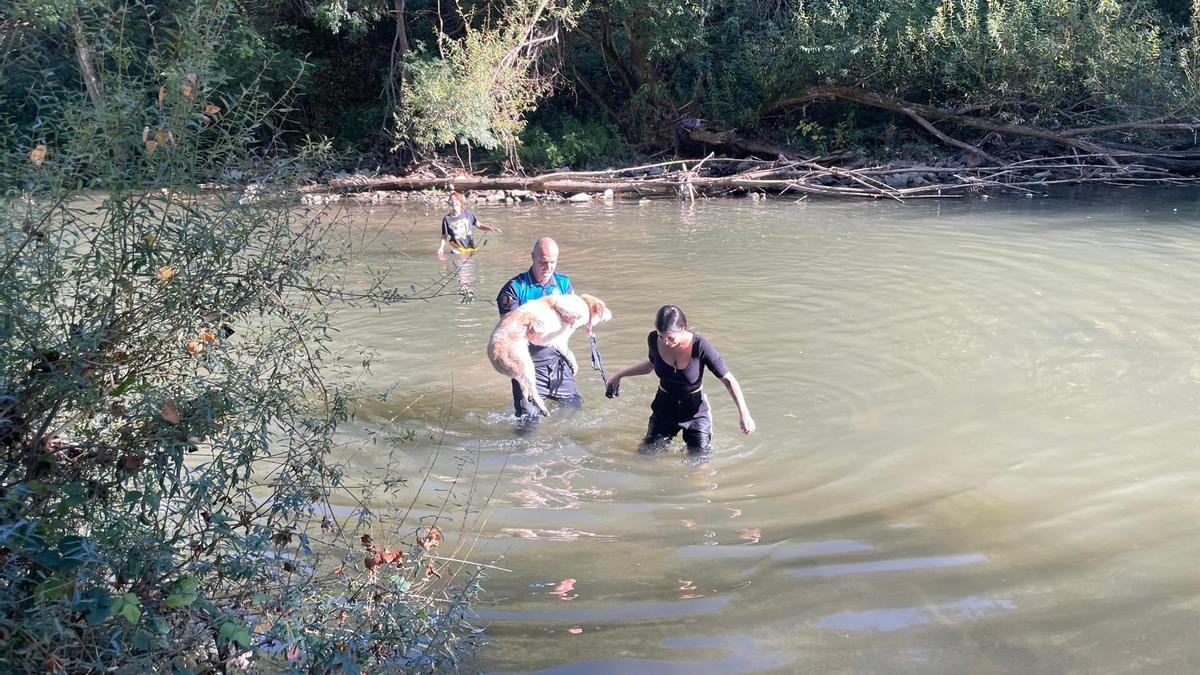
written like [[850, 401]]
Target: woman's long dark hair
[[670, 319]]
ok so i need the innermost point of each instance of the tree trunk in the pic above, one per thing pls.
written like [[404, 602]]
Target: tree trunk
[[1196, 21], [733, 144], [95, 88], [83, 54], [604, 42], [10, 38], [639, 61], [401, 29], [394, 88], [591, 91]]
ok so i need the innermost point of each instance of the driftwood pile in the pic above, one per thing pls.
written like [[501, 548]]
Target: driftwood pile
[[1077, 156], [716, 176]]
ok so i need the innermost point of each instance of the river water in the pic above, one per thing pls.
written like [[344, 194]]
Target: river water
[[978, 444]]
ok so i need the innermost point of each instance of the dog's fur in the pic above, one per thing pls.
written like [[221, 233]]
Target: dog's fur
[[548, 321]]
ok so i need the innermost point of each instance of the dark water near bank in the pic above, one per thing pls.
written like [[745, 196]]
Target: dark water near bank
[[978, 446]]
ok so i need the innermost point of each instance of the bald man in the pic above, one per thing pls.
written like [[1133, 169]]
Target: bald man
[[554, 377]]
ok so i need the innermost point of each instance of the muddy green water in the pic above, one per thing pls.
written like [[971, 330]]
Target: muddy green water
[[978, 445]]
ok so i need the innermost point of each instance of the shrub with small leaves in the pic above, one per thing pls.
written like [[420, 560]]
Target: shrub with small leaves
[[169, 395]]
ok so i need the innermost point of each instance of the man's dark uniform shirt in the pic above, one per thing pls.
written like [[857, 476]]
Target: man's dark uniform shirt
[[554, 377]]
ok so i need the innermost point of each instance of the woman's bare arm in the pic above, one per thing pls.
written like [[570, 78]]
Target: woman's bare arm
[[735, 391], [614, 381]]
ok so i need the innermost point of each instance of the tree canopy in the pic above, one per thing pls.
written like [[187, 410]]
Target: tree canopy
[[407, 78]]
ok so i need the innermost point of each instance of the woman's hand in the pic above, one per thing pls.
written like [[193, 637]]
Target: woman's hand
[[747, 423], [613, 389]]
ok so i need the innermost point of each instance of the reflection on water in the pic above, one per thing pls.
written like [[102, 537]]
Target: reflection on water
[[888, 565], [739, 656], [887, 620], [564, 590], [780, 551], [976, 447], [560, 534], [629, 611], [549, 486], [456, 275]]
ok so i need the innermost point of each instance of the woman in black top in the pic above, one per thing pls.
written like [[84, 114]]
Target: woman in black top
[[678, 356]]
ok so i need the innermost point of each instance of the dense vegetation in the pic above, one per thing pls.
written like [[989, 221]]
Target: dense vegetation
[[170, 395], [557, 82]]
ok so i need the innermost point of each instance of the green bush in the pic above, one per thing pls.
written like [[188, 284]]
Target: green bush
[[170, 399], [1033, 59], [480, 86], [568, 141]]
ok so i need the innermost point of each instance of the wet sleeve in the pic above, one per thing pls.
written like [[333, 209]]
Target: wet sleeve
[[507, 300], [711, 358], [446, 226]]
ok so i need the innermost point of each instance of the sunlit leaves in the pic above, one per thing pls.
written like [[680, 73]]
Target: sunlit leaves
[[184, 594], [127, 606], [234, 632], [488, 80], [1047, 57], [350, 17]]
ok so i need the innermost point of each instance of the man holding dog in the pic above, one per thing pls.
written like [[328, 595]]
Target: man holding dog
[[554, 377]]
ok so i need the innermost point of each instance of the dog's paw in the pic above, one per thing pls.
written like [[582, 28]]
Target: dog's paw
[[534, 328]]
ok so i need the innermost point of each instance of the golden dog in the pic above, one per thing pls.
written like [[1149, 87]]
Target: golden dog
[[549, 322]]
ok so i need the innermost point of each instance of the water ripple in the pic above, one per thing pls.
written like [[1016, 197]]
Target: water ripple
[[629, 611], [894, 565], [898, 618]]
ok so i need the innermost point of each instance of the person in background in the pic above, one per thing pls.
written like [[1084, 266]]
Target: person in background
[[554, 377], [678, 356], [458, 227]]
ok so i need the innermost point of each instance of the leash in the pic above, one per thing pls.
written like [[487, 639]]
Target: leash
[[597, 361]]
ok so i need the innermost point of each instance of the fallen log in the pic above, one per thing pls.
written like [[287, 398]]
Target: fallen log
[[686, 179], [637, 187], [734, 144]]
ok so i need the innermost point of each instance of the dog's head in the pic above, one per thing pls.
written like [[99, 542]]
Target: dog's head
[[597, 310]]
